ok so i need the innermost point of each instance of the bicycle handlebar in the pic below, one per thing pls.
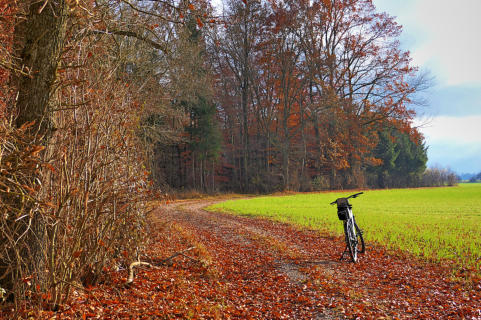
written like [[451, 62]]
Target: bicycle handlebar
[[355, 195], [351, 196]]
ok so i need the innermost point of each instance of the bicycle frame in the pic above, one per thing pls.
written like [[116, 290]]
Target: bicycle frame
[[352, 233]]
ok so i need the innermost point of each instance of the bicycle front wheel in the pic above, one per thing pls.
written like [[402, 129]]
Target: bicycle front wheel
[[351, 239]]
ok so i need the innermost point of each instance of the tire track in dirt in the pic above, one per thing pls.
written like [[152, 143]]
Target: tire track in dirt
[[272, 265], [255, 262]]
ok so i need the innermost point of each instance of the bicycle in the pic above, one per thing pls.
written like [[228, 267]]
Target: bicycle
[[353, 234]]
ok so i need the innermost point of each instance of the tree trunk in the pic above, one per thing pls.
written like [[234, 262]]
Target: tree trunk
[[245, 101], [39, 42], [245, 123]]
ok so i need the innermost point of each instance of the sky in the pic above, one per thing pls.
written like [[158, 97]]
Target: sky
[[443, 37]]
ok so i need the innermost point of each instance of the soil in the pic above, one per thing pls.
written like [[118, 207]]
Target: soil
[[254, 268]]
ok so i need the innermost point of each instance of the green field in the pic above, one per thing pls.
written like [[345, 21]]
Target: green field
[[437, 223]]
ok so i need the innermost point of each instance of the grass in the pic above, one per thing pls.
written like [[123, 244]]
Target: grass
[[436, 223]]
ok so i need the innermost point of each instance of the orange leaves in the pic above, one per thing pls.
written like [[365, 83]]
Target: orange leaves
[[268, 270], [35, 150], [198, 20], [77, 254]]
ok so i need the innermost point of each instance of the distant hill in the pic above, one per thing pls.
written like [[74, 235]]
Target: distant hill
[[467, 176], [472, 177]]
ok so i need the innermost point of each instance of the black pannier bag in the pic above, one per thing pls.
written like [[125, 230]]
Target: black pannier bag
[[342, 205]]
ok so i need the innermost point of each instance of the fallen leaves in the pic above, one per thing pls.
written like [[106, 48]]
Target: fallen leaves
[[259, 269]]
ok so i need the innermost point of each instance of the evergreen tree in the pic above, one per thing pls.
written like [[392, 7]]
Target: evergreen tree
[[204, 134], [403, 160], [411, 162], [387, 153], [190, 162]]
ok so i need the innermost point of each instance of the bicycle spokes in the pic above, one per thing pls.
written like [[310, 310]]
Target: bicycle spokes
[[352, 241]]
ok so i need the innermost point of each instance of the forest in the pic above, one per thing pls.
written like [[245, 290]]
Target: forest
[[296, 95], [106, 104]]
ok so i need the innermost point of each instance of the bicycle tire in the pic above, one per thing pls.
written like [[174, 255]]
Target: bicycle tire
[[351, 240], [361, 247]]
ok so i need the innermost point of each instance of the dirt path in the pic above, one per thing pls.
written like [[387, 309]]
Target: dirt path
[[250, 268], [255, 265], [273, 270]]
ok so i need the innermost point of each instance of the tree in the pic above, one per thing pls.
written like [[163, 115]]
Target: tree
[[411, 162], [74, 176], [401, 159], [282, 58], [387, 154], [475, 178], [235, 56], [204, 141], [439, 177], [7, 14], [321, 79], [38, 43]]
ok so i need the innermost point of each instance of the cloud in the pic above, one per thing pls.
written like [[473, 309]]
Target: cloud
[[452, 45], [458, 130], [455, 101], [443, 36], [462, 158], [453, 142]]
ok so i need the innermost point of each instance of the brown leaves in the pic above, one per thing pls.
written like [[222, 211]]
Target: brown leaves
[[77, 254], [261, 269], [35, 150]]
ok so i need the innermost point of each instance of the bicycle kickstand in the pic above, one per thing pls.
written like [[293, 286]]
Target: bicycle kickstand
[[342, 255]]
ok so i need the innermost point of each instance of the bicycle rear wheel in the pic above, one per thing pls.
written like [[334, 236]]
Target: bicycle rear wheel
[[361, 248]]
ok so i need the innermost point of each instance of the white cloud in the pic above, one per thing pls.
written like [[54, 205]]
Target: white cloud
[[449, 129], [446, 36], [453, 142], [453, 44]]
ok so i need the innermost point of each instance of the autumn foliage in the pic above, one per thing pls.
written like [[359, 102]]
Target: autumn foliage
[[100, 101], [303, 90], [72, 202]]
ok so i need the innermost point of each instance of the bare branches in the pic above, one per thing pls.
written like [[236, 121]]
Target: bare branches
[[133, 35], [153, 14], [136, 264], [181, 253]]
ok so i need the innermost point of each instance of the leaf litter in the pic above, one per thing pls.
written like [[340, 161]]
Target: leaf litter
[[255, 268]]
